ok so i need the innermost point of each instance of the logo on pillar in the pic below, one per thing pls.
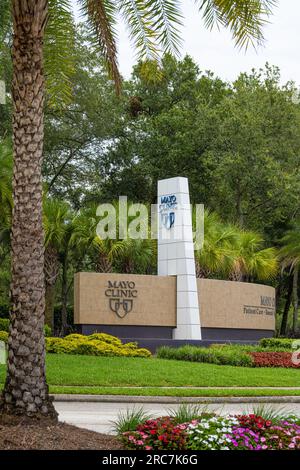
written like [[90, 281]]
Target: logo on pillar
[[167, 206]]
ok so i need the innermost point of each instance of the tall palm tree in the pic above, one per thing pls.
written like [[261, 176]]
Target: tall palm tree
[[290, 258], [153, 25]]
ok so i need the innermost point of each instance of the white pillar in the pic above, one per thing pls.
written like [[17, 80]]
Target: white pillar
[[176, 253]]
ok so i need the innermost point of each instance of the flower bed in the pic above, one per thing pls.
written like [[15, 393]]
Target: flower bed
[[273, 359], [210, 432], [271, 352]]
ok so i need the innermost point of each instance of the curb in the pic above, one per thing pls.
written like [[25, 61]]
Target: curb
[[165, 399]]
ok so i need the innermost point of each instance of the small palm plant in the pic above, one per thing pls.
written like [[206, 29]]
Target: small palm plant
[[250, 259], [232, 253]]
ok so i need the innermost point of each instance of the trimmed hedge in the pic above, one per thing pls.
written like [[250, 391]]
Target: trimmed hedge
[[224, 355], [277, 343], [98, 344]]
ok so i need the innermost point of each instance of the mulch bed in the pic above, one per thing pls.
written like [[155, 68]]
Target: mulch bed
[[54, 437]]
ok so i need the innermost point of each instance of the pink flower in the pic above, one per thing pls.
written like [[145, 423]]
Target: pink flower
[[263, 439], [148, 448], [139, 443], [292, 446]]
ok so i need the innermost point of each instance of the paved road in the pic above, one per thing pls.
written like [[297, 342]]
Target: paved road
[[99, 416]]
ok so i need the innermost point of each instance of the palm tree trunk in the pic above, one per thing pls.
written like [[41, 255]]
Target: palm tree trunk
[[287, 305], [103, 264], [295, 298], [25, 393]]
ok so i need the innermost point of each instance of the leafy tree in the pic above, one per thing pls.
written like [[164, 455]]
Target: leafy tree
[[151, 24]]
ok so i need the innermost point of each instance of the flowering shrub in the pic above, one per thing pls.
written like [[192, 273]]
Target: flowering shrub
[[160, 433], [210, 434], [242, 432], [255, 433], [273, 359]]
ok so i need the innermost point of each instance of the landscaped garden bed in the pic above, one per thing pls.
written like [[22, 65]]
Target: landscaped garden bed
[[208, 431], [270, 352]]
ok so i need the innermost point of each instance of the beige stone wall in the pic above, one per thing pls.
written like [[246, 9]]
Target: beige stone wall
[[154, 303], [223, 304]]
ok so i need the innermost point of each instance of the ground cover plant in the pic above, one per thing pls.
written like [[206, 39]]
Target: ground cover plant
[[208, 431]]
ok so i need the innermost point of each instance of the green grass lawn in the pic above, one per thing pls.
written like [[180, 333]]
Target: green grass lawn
[[68, 370], [174, 392]]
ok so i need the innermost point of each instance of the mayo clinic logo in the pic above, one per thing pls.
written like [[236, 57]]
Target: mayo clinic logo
[[121, 295], [166, 210]]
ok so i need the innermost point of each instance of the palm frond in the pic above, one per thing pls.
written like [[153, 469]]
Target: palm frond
[[59, 53], [138, 19], [101, 15], [166, 18], [244, 18]]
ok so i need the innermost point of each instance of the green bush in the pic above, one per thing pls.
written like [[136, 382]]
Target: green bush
[[59, 346], [99, 344], [4, 324], [4, 311], [277, 343], [106, 338], [225, 355], [74, 337], [4, 336]]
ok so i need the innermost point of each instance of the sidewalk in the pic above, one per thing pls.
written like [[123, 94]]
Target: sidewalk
[[99, 415]]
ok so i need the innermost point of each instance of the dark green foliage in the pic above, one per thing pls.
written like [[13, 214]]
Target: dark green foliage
[[275, 343], [4, 324], [222, 355]]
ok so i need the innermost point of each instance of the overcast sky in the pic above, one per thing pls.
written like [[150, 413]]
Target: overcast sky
[[215, 51]]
